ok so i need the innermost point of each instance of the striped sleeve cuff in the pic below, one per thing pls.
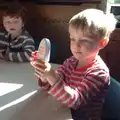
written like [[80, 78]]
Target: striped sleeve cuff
[[45, 86], [56, 87]]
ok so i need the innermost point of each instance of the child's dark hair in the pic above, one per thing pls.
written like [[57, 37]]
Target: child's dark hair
[[15, 9]]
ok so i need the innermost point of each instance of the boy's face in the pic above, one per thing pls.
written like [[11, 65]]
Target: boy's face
[[12, 24], [82, 46]]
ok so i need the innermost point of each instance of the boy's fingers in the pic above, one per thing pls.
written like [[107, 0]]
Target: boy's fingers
[[35, 58], [40, 70], [32, 63], [34, 53], [40, 61], [32, 58], [39, 73], [40, 65]]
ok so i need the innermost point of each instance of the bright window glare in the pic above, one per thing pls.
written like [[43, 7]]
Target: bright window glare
[[18, 100], [6, 88]]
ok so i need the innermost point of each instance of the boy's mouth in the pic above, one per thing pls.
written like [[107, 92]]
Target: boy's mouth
[[12, 29], [78, 52]]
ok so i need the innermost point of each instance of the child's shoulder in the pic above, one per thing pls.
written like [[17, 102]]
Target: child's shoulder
[[70, 61], [98, 71], [100, 65], [3, 32], [25, 34]]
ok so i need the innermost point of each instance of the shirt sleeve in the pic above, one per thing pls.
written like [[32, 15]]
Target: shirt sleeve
[[24, 55], [62, 69], [3, 42], [91, 85], [46, 86]]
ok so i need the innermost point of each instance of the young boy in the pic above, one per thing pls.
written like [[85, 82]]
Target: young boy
[[16, 44], [83, 79]]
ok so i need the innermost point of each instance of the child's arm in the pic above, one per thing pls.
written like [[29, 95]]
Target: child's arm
[[45, 85], [92, 85], [3, 42], [44, 81], [23, 56]]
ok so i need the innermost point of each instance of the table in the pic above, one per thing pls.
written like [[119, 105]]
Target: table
[[21, 98]]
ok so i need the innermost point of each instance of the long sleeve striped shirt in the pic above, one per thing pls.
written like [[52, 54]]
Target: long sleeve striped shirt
[[19, 49], [81, 88]]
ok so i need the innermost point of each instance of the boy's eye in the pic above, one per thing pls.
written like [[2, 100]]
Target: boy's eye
[[8, 22], [85, 41], [71, 39], [82, 41], [15, 21]]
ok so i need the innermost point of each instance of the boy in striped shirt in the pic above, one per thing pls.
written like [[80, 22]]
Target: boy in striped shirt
[[16, 44], [82, 80]]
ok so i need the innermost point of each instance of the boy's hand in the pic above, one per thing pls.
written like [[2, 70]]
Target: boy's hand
[[6, 54], [1, 56], [43, 69]]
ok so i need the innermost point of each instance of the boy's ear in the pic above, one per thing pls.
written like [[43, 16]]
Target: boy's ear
[[103, 43]]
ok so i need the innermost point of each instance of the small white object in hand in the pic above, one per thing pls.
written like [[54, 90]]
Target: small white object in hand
[[44, 49]]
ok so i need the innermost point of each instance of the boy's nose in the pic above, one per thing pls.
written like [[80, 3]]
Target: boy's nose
[[77, 44], [12, 26]]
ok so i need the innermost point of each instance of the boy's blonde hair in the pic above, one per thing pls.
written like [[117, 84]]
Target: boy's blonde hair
[[94, 23]]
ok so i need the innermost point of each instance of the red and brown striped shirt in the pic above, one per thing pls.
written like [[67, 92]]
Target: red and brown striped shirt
[[82, 88]]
